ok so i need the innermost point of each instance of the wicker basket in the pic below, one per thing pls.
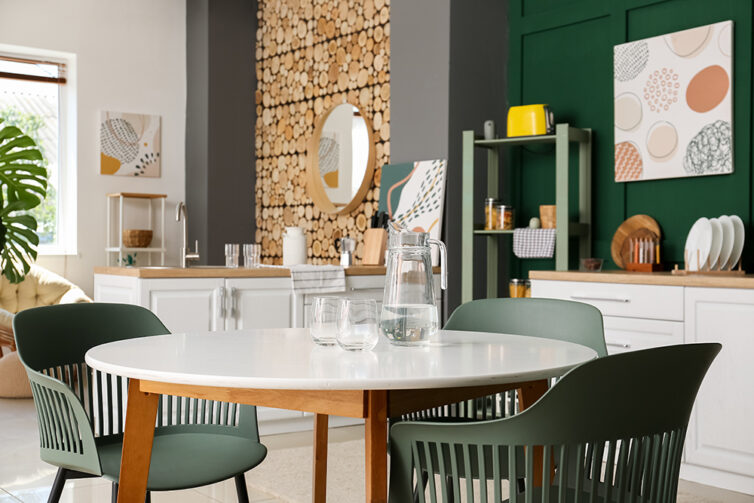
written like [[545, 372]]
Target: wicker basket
[[137, 238]]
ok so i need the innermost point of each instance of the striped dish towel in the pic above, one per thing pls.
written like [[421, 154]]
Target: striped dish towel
[[534, 243], [318, 278]]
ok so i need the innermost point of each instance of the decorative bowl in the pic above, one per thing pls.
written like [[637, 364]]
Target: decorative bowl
[[137, 238]]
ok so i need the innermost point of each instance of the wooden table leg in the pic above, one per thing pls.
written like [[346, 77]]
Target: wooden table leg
[[137, 444], [375, 439], [527, 395], [319, 469]]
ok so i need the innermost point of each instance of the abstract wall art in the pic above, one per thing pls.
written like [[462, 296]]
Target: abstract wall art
[[413, 195], [673, 104], [130, 144]]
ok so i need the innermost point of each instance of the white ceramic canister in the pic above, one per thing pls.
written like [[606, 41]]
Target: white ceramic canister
[[294, 246]]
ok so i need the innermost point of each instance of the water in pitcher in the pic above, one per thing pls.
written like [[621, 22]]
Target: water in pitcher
[[409, 324]]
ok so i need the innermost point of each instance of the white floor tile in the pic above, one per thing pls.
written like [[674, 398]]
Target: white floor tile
[[226, 492]]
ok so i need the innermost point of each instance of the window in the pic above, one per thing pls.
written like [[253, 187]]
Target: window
[[34, 96]]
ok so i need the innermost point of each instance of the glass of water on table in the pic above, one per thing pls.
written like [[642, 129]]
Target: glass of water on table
[[324, 319], [358, 325]]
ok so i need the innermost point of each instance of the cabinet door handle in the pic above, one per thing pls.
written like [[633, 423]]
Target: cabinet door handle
[[600, 298], [221, 302], [232, 302], [624, 345]]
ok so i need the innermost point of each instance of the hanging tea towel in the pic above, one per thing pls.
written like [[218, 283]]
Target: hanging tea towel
[[318, 278], [534, 243]]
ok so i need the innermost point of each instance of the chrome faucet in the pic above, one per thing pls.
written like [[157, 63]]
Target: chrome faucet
[[186, 254]]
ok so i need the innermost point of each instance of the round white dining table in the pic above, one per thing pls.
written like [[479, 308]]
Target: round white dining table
[[283, 368]]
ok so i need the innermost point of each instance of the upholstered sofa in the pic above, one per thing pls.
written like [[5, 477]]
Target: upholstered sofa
[[40, 288]]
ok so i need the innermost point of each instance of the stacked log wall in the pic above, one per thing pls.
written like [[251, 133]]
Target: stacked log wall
[[312, 55]]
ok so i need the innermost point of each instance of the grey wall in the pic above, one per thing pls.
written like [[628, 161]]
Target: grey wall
[[197, 123], [419, 83], [220, 124], [478, 91], [447, 74]]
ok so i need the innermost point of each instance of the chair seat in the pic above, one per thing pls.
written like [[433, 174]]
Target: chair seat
[[184, 460]]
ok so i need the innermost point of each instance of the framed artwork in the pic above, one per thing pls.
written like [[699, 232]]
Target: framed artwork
[[130, 144], [413, 195], [673, 104]]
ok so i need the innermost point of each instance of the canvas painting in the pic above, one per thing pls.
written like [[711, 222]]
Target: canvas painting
[[130, 144], [673, 104], [413, 195]]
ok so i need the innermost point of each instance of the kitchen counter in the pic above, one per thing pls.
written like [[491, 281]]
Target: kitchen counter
[[655, 278], [223, 272]]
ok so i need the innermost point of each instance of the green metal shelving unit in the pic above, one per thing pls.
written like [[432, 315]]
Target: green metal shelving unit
[[563, 137]]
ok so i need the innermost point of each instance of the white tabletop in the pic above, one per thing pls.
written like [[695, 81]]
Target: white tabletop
[[288, 359]]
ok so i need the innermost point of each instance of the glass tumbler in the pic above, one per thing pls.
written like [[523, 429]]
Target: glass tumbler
[[357, 326], [231, 254], [252, 253], [325, 315]]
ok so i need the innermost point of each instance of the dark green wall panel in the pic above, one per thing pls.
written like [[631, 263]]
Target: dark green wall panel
[[677, 203], [561, 54]]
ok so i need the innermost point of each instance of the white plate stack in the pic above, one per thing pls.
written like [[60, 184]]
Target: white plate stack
[[715, 244]]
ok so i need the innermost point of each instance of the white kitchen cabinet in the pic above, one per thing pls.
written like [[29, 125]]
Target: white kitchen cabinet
[[185, 305], [720, 440], [719, 448], [617, 299], [630, 334], [259, 303]]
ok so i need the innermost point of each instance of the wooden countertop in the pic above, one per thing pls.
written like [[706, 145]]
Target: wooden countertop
[[643, 278], [222, 272]]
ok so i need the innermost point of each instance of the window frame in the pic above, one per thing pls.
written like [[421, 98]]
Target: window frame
[[67, 238]]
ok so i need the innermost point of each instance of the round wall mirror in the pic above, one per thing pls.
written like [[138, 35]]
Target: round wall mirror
[[340, 159]]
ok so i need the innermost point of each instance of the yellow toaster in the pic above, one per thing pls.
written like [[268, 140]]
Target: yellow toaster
[[528, 120]]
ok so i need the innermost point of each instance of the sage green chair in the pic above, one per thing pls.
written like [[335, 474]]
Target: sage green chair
[[588, 417], [81, 412], [547, 318]]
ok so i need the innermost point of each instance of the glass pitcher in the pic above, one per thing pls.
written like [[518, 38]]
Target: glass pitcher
[[409, 313]]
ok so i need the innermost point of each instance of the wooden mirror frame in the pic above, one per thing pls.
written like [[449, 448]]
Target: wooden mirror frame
[[314, 186]]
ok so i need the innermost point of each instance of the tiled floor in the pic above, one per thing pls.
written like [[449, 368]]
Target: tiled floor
[[25, 478]]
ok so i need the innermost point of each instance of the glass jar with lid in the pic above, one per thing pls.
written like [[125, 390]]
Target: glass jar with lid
[[519, 288], [490, 214], [505, 217]]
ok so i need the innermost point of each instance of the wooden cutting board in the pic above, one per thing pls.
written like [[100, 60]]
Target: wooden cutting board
[[638, 226]]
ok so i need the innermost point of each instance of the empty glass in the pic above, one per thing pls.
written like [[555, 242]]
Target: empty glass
[[231, 254], [251, 255], [357, 326], [325, 315]]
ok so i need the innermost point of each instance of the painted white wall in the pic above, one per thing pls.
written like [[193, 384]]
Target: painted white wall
[[130, 57]]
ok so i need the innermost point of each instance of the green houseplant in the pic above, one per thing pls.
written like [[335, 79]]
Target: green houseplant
[[23, 186]]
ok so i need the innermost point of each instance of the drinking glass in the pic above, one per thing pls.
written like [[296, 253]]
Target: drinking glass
[[231, 254], [251, 255], [357, 326], [325, 315]]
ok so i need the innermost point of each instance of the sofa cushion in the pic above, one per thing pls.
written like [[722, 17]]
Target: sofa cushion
[[40, 288]]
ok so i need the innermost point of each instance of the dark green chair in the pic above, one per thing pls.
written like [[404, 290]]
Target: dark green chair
[[81, 412], [547, 318], [614, 427]]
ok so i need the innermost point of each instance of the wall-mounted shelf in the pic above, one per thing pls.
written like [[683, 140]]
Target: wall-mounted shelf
[[562, 139], [114, 244]]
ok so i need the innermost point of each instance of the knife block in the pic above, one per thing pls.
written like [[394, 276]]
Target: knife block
[[375, 244]]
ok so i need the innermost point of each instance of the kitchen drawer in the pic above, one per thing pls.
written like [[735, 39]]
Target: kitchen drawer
[[631, 334], [617, 299]]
